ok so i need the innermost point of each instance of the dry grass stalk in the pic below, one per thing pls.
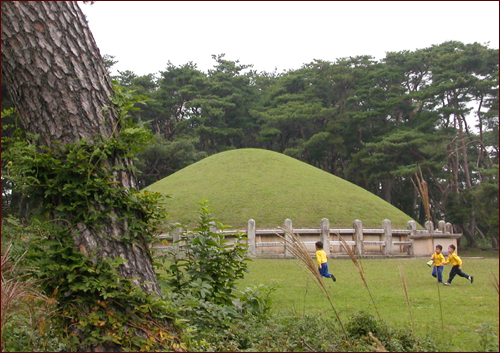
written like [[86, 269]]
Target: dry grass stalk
[[298, 249], [439, 297], [358, 265], [494, 283], [423, 190], [407, 297], [380, 347], [20, 294]]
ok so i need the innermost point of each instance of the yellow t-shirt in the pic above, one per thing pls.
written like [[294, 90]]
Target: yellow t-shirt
[[321, 257], [454, 259], [438, 258]]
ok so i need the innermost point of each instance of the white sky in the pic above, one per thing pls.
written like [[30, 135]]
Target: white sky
[[145, 35]]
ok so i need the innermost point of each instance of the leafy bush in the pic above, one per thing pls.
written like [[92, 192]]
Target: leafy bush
[[291, 333], [255, 300], [296, 333], [364, 330], [361, 324], [200, 280], [94, 304], [207, 266]]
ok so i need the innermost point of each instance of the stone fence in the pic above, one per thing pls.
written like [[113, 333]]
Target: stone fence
[[365, 242]]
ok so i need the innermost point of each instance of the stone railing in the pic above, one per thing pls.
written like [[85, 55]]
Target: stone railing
[[364, 242]]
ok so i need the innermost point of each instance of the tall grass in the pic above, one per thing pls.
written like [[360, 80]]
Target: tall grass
[[21, 297], [407, 299], [295, 245], [360, 269], [440, 302]]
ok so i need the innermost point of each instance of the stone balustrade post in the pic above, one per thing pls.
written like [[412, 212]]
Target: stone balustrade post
[[449, 228], [429, 226], [251, 237], [387, 227], [358, 237], [289, 225], [176, 235], [441, 226], [324, 236], [412, 226]]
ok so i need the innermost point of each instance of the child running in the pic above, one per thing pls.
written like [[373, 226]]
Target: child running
[[323, 261], [437, 270], [456, 262]]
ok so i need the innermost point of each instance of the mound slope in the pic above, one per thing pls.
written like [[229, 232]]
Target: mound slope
[[270, 187]]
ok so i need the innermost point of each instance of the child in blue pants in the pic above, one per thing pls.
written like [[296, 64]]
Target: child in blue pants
[[323, 261], [438, 258], [456, 262]]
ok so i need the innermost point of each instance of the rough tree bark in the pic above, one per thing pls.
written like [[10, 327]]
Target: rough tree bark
[[59, 85]]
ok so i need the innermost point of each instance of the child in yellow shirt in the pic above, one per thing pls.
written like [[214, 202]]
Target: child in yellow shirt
[[438, 258], [456, 262], [323, 261]]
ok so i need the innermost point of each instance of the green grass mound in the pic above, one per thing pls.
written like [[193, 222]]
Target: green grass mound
[[269, 187]]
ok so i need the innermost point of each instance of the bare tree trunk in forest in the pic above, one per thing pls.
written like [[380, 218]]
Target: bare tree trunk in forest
[[464, 151], [480, 232], [387, 188], [470, 236], [481, 137], [58, 82], [454, 163], [466, 172], [494, 242]]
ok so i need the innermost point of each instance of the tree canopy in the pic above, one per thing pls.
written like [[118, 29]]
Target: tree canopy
[[373, 123]]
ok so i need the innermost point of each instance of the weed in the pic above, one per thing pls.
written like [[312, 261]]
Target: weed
[[488, 339], [407, 297], [25, 309], [494, 282]]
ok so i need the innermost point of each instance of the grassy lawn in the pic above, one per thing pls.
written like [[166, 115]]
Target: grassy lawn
[[465, 306]]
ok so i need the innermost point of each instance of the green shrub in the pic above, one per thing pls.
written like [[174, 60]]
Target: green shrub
[[289, 332], [213, 327], [90, 297], [293, 333], [255, 300], [207, 265], [393, 340], [200, 280], [360, 325]]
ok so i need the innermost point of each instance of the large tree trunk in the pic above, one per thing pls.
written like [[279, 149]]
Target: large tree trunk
[[58, 82], [387, 188]]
